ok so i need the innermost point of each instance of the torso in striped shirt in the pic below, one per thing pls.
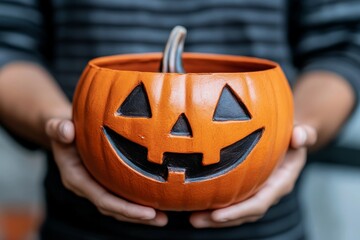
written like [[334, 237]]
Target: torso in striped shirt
[[85, 29]]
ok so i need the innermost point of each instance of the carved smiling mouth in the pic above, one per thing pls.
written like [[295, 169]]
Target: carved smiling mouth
[[135, 156]]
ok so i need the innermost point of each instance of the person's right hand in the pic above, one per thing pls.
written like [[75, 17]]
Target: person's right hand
[[76, 178]]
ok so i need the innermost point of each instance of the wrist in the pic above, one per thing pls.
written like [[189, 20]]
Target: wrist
[[63, 111], [323, 100]]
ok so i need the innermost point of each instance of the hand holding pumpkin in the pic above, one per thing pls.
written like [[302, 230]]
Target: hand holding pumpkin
[[76, 178], [279, 184]]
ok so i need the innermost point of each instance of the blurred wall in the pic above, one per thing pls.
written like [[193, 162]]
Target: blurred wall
[[21, 173], [21, 204], [331, 198]]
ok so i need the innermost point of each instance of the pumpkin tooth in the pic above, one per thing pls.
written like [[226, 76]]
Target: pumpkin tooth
[[176, 175], [154, 155], [211, 157], [172, 55]]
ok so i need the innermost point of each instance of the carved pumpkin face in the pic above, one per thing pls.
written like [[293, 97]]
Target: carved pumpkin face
[[182, 141]]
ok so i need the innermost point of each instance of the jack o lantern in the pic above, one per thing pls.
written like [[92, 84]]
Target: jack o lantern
[[182, 141]]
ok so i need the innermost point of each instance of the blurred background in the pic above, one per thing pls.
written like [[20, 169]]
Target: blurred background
[[21, 173], [330, 189]]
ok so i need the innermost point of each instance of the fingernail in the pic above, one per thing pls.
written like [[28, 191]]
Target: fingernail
[[149, 215], [64, 129], [221, 220], [301, 135]]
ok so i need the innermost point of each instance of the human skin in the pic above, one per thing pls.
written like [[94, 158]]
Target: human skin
[[31, 99]]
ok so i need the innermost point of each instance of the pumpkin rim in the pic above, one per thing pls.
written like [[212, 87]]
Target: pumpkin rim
[[105, 63]]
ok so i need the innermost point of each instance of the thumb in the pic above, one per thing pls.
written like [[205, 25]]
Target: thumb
[[61, 130], [303, 136]]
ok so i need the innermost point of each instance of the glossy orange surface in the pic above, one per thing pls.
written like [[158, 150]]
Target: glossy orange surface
[[259, 84]]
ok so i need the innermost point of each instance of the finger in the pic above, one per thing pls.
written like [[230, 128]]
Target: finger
[[253, 207], [161, 218], [201, 219], [303, 136], [76, 178], [84, 185], [61, 130], [159, 221], [118, 206], [205, 221], [279, 184], [235, 222]]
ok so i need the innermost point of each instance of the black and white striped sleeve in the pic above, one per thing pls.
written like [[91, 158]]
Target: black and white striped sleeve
[[326, 36], [21, 31]]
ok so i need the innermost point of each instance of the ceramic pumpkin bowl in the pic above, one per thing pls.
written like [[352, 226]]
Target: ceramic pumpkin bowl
[[192, 141]]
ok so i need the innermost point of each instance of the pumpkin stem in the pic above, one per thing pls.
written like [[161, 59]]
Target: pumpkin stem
[[172, 60]]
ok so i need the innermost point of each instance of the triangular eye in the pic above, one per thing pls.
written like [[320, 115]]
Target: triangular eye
[[182, 127], [230, 108], [136, 104]]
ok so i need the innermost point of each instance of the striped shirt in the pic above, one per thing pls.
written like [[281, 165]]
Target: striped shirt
[[62, 35]]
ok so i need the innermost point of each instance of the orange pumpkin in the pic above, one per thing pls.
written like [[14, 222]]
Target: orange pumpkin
[[199, 140]]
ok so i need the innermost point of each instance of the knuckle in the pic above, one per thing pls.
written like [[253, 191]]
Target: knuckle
[[101, 204], [67, 183], [125, 212]]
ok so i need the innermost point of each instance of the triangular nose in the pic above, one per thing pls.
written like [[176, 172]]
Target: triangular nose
[[182, 127]]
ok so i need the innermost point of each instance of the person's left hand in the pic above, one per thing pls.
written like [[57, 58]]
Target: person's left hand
[[280, 183]]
